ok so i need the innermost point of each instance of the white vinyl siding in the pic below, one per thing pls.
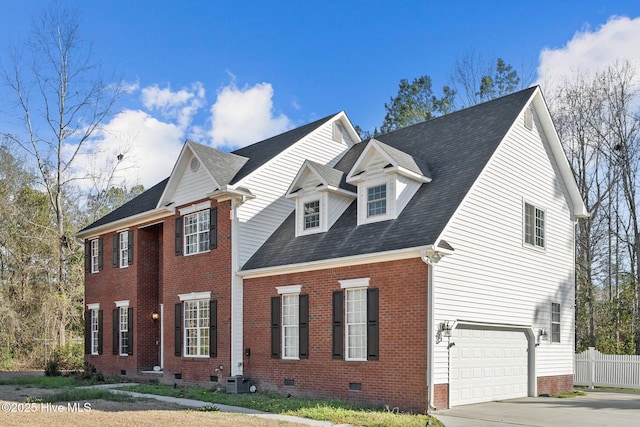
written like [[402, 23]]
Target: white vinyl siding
[[196, 232], [196, 328], [124, 249], [192, 185], [95, 254], [356, 323], [290, 326], [260, 217], [492, 277]]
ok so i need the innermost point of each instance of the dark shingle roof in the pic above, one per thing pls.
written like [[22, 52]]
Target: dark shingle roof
[[333, 177], [263, 151], [146, 201], [456, 147], [227, 168], [222, 165]]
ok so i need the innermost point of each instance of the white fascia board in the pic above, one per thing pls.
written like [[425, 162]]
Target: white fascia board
[[127, 222], [231, 192], [579, 208], [395, 255], [344, 119], [409, 174]]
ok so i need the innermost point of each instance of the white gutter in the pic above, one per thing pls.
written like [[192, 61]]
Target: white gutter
[[150, 215], [430, 256]]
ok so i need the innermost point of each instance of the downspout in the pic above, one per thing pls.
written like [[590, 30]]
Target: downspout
[[430, 256], [236, 296], [428, 259]]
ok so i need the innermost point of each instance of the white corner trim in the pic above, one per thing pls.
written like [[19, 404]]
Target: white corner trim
[[292, 289], [195, 208], [95, 306], [123, 303], [354, 283], [195, 295]]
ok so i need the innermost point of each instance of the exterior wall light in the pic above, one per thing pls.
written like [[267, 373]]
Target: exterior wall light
[[155, 316]]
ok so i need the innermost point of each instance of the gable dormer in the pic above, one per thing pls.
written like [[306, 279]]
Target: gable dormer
[[321, 195], [386, 179]]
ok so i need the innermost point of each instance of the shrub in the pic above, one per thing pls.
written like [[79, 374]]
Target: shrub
[[52, 368]]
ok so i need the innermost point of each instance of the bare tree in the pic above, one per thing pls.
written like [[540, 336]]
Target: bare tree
[[62, 100]]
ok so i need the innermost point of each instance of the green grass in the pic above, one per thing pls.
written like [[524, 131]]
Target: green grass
[[42, 382], [335, 411], [568, 395], [77, 395]]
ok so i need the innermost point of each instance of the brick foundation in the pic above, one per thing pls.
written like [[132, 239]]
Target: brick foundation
[[555, 384]]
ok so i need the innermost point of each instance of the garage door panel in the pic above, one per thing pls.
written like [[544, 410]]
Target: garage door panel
[[488, 365]]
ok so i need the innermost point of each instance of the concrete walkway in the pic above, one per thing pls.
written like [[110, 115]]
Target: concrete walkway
[[191, 403]]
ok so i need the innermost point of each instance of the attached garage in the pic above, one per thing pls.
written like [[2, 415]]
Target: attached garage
[[488, 364]]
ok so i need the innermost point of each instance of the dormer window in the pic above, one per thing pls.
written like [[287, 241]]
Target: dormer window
[[377, 200], [312, 214]]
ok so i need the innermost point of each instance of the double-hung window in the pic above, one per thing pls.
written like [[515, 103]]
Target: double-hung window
[[196, 328], [355, 321], [555, 322], [196, 232], [377, 200], [95, 331], [95, 255], [124, 330], [534, 227], [124, 249], [290, 323], [312, 214]]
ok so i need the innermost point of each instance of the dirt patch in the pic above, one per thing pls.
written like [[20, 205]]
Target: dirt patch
[[15, 411]]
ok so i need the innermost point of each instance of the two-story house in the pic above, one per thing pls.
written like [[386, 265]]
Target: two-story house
[[429, 267]]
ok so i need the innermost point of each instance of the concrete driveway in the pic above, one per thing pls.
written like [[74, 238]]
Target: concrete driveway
[[597, 408]]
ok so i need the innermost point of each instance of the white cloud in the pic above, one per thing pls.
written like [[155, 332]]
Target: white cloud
[[589, 52], [181, 105], [242, 116], [150, 148]]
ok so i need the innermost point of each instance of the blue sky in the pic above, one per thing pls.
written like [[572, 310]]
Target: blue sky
[[231, 73]]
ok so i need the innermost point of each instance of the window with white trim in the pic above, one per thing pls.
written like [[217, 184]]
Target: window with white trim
[[196, 328], [555, 322], [290, 326], [312, 214], [534, 226], [95, 255], [123, 330], [377, 200], [124, 249], [95, 330], [356, 323], [196, 232]]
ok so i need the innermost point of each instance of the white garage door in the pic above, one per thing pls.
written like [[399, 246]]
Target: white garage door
[[487, 365]]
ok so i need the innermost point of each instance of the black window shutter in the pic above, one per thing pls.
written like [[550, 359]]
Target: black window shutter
[[130, 332], [178, 330], [213, 328], [87, 332], [304, 326], [100, 254], [275, 327], [178, 242], [130, 247], [372, 324], [338, 328], [116, 238], [213, 228], [100, 331], [116, 330], [87, 256]]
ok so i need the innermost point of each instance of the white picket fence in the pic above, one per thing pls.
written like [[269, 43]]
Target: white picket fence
[[594, 369]]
